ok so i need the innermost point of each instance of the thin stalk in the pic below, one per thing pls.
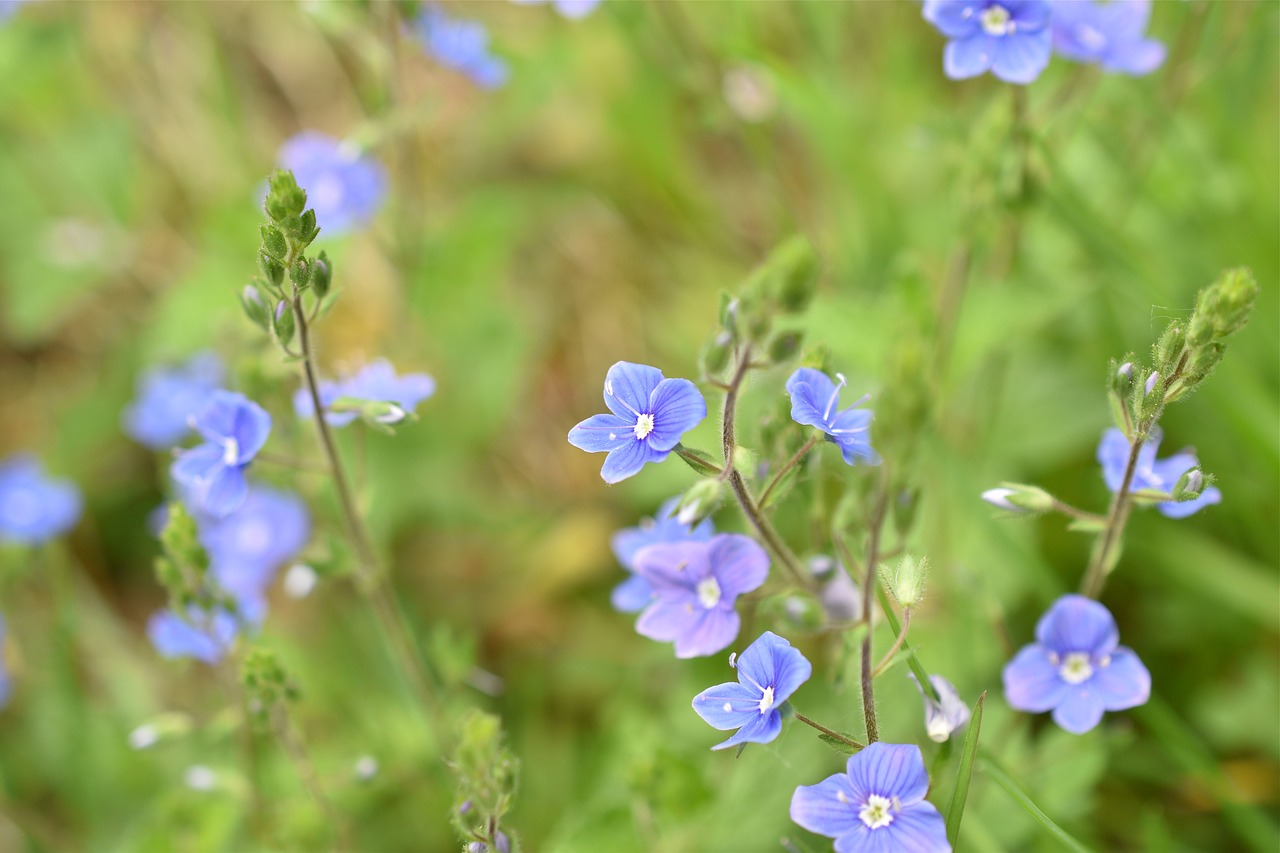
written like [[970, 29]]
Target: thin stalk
[[868, 583], [897, 644], [791, 463], [828, 732], [1117, 516], [922, 676], [1076, 512], [289, 462], [293, 746]]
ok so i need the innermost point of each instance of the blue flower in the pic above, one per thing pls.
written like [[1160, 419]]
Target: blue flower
[[1157, 475], [205, 635], [344, 185], [634, 594], [1111, 34], [1010, 38], [460, 45], [650, 414], [769, 671], [572, 9], [168, 397], [9, 7], [34, 508], [375, 381], [234, 430], [878, 806], [942, 718], [1076, 667], [695, 585], [814, 402], [247, 547]]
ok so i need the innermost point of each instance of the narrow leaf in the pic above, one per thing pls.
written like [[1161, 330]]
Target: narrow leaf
[[837, 744], [961, 793], [1020, 797], [698, 460]]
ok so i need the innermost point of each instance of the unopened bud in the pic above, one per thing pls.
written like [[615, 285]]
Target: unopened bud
[[784, 346], [906, 580], [1189, 485], [1151, 383], [1018, 497], [255, 308], [716, 356], [501, 842], [699, 501]]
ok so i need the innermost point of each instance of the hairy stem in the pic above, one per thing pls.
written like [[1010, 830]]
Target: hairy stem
[[828, 732], [791, 463], [868, 585], [1100, 564]]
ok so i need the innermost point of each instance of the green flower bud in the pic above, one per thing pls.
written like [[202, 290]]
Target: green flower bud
[[321, 275], [300, 273], [1020, 498], [1189, 485], [716, 355], [700, 500], [794, 265], [784, 346], [255, 307], [271, 268], [283, 323], [906, 580]]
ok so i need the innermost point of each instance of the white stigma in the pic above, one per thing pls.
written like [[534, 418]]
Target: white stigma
[[766, 701], [995, 21], [644, 426], [708, 593], [875, 812], [1076, 668]]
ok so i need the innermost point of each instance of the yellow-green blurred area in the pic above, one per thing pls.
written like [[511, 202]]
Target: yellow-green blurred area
[[979, 272]]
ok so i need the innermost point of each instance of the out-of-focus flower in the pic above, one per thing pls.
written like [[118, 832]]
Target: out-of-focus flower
[[814, 402], [769, 671], [650, 414], [9, 7], [460, 45], [750, 93], [376, 381], [203, 635], [1157, 475], [299, 580], [877, 806], [942, 718], [1076, 668], [634, 594], [234, 430], [695, 585], [1009, 38], [168, 397], [344, 185], [1111, 34], [247, 547], [200, 778], [33, 507], [572, 9]]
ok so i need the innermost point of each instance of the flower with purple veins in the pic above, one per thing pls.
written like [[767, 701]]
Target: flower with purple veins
[[769, 671], [234, 430], [206, 635], [877, 806], [33, 507], [815, 402], [634, 594], [376, 381], [460, 45], [344, 185], [1158, 475], [695, 586], [160, 416], [1111, 34], [942, 718], [1009, 38], [650, 414], [1076, 668], [247, 547]]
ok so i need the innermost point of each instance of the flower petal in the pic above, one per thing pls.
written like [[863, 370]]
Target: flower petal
[[1032, 683], [677, 406], [252, 426], [738, 563], [674, 568], [632, 595], [821, 808], [890, 770], [955, 19], [810, 392], [1077, 624], [919, 829], [1113, 455], [628, 388], [1020, 58], [969, 57], [772, 661], [627, 460], [743, 704], [198, 465], [1137, 58], [603, 434], [1182, 509], [668, 618], [1081, 710], [714, 630], [1122, 683], [763, 728], [225, 492]]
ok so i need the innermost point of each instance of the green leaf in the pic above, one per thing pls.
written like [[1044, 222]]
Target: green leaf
[[837, 744], [989, 767], [961, 793], [698, 460]]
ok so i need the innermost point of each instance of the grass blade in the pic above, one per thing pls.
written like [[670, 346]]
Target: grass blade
[[961, 793], [1004, 781]]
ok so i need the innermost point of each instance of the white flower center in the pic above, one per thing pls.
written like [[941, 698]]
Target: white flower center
[[766, 701], [1076, 668], [644, 426], [709, 593], [875, 812], [995, 21], [230, 451]]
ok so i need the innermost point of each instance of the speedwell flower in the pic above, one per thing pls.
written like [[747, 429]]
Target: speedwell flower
[[247, 547], [33, 507], [815, 402], [1009, 38], [460, 45], [234, 430], [203, 635], [650, 414], [344, 185], [1112, 34], [878, 806], [769, 671], [1076, 668], [695, 585], [942, 718], [167, 397], [1159, 475], [376, 381], [633, 594]]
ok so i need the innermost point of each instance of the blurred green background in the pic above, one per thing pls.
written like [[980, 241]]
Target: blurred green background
[[639, 162]]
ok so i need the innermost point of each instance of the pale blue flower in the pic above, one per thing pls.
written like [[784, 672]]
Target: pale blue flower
[[1160, 475], [212, 473], [206, 635], [946, 714], [1111, 34], [168, 397], [344, 185], [33, 507], [376, 381], [248, 547], [1009, 38], [815, 401], [769, 671], [460, 45], [634, 594]]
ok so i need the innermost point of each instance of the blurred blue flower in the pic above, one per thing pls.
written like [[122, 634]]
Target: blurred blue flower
[[634, 594], [769, 671], [814, 402], [572, 9], [168, 397], [942, 718], [695, 585], [247, 547], [1076, 667], [212, 474], [34, 508], [1010, 38], [344, 185], [1158, 475], [1112, 34], [375, 381], [9, 7], [650, 414], [205, 635], [460, 45], [877, 806]]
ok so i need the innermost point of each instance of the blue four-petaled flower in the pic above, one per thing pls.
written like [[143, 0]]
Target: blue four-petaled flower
[[247, 547], [1076, 668], [769, 671], [205, 635], [1010, 38], [375, 381], [650, 414], [33, 507], [877, 806], [160, 416], [815, 401], [344, 185], [1159, 475], [234, 430], [635, 593], [695, 587], [1111, 34], [460, 45]]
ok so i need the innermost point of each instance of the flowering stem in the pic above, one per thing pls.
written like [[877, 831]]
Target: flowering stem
[[740, 491], [791, 463], [1102, 561], [1076, 512], [897, 644], [828, 732], [868, 584]]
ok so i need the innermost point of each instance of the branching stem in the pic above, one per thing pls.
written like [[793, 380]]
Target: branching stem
[[828, 732]]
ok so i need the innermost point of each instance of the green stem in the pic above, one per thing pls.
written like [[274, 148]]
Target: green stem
[[828, 732], [868, 583], [1101, 563], [791, 463], [897, 644]]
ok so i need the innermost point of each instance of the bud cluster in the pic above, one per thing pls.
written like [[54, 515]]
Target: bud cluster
[[487, 777]]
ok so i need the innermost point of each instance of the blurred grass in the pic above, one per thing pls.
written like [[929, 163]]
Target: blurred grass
[[592, 211]]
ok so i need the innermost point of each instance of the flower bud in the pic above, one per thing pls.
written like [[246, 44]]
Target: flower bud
[[942, 719], [906, 580], [716, 356], [1189, 485], [1020, 498], [699, 501], [1151, 383], [255, 307], [273, 242], [784, 346], [322, 275]]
